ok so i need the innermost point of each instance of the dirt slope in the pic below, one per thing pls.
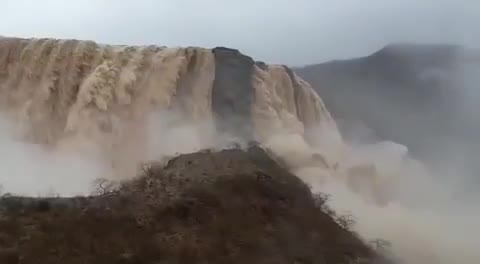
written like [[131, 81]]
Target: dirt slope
[[232, 206]]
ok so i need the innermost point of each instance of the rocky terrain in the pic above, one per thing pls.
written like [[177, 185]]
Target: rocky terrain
[[230, 206]]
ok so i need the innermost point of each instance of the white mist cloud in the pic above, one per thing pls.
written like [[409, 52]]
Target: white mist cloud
[[419, 215], [34, 170], [444, 233], [171, 135]]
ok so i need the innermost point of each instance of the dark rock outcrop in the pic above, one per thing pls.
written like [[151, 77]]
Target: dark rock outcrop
[[233, 92]]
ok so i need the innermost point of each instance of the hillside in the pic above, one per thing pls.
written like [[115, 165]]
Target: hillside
[[231, 206], [422, 96]]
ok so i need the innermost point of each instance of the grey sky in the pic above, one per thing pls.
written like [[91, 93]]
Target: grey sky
[[291, 32]]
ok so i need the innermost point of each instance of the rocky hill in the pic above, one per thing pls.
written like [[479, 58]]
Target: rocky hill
[[231, 206]]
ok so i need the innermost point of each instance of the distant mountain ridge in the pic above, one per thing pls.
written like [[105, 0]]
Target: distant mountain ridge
[[422, 96]]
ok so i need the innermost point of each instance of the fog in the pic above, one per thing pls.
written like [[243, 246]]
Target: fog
[[434, 203], [34, 170], [43, 171], [403, 202], [422, 219]]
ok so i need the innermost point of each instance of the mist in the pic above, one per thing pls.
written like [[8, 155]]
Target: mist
[[35, 170], [404, 203], [422, 219], [432, 204], [38, 170]]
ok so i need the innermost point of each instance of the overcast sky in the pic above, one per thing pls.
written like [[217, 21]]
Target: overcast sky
[[294, 32]]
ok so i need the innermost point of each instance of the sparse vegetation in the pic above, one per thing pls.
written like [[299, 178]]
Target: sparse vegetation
[[321, 201], [229, 207], [103, 186], [381, 244], [345, 221]]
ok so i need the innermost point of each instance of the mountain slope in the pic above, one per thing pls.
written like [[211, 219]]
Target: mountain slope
[[422, 96]]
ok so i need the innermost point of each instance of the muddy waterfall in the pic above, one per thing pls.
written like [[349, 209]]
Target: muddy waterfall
[[99, 99]]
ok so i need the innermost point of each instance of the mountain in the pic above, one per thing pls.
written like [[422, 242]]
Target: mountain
[[422, 96]]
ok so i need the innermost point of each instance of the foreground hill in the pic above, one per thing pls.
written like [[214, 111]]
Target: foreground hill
[[231, 206]]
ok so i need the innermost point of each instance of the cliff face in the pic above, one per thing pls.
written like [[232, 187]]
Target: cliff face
[[75, 94]]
